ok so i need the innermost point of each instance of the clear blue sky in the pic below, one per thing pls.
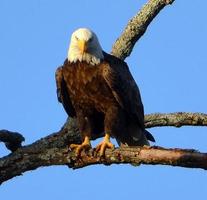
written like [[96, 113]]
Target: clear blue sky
[[169, 64]]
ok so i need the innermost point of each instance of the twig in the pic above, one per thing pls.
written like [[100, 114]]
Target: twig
[[12, 140]]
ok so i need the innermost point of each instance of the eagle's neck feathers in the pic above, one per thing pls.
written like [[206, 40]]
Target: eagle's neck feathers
[[93, 59]]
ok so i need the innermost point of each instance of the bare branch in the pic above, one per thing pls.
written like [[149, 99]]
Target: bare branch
[[12, 140], [176, 119], [34, 156], [53, 149], [137, 26], [146, 155]]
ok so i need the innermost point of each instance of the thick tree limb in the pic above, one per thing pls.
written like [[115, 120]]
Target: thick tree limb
[[53, 150], [39, 155], [137, 26], [146, 155]]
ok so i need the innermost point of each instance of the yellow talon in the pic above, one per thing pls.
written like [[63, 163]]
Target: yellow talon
[[86, 145], [106, 143]]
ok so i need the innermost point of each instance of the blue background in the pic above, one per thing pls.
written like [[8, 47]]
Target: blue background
[[168, 63]]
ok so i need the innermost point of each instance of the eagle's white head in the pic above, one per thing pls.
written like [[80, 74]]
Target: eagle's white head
[[84, 46]]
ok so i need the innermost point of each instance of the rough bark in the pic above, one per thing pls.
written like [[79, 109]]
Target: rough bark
[[137, 26], [53, 149], [176, 119]]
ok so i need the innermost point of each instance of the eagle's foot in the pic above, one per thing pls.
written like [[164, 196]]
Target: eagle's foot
[[78, 148], [106, 143]]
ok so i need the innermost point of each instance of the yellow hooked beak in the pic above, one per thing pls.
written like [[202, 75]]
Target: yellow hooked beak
[[82, 44]]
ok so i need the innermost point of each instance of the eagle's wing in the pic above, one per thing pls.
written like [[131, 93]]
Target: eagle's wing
[[124, 88], [63, 93]]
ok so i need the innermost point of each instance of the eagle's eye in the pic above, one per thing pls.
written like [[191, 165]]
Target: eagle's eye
[[76, 38]]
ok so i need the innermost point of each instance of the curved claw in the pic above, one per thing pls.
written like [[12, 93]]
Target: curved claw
[[105, 144], [86, 145]]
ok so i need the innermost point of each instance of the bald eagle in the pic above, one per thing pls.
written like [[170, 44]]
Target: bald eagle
[[99, 90]]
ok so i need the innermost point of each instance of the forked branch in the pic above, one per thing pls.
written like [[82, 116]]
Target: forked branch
[[53, 150]]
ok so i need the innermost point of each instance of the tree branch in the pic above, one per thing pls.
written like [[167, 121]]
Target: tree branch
[[145, 155], [136, 27], [34, 156], [53, 150], [12, 140], [176, 119]]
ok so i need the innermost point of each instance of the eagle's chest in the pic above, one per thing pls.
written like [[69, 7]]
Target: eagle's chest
[[87, 86]]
